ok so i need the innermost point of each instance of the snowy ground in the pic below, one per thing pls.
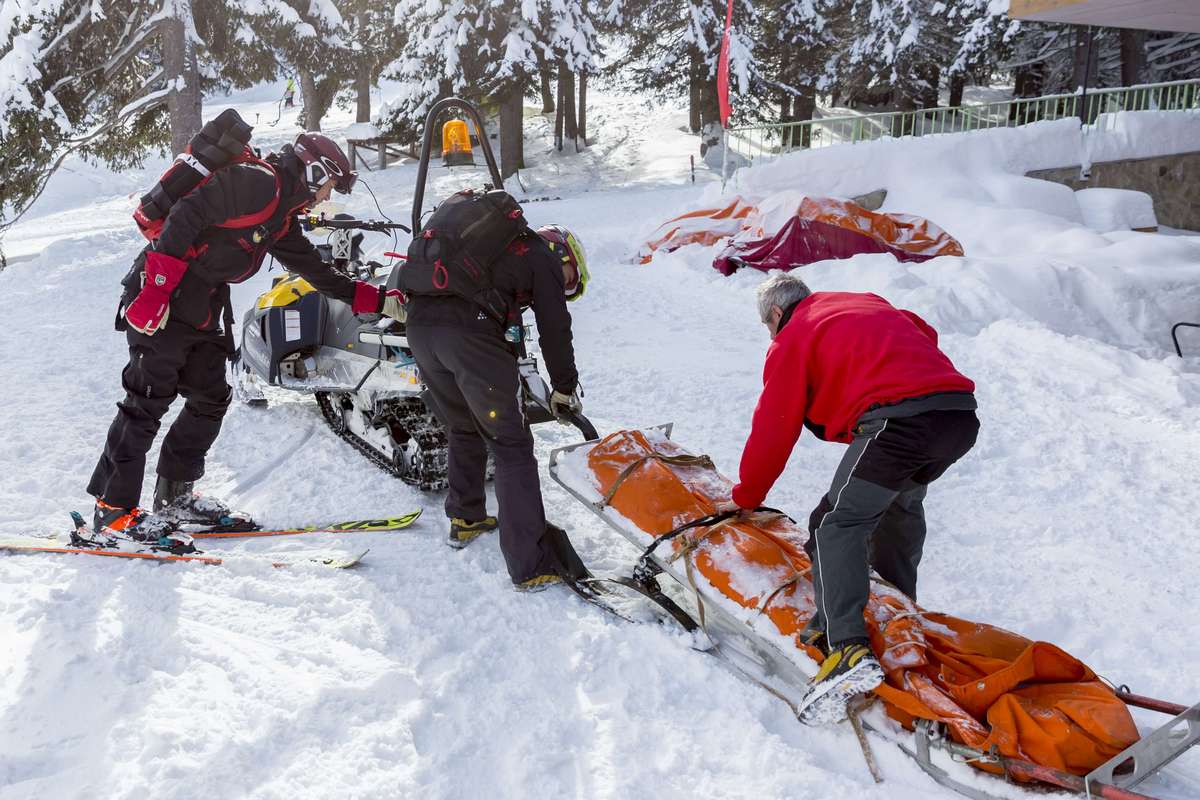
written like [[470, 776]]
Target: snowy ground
[[422, 674]]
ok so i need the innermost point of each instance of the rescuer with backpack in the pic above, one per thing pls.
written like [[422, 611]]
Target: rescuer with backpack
[[470, 271], [212, 219]]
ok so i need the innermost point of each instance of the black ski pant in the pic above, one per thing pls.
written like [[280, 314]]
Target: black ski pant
[[873, 518], [178, 360], [472, 375]]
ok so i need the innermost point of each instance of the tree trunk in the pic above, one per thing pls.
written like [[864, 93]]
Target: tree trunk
[[558, 116], [362, 87], [932, 74], [547, 92], [566, 94], [362, 80], [310, 117], [512, 133], [1133, 57], [958, 82], [179, 64], [785, 74], [582, 113], [803, 107], [583, 142], [710, 115], [695, 89]]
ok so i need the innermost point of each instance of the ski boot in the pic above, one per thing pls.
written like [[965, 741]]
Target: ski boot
[[175, 502], [462, 533], [850, 669], [112, 525], [538, 583], [560, 563]]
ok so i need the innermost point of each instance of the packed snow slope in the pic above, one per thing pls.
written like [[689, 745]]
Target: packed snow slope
[[421, 673]]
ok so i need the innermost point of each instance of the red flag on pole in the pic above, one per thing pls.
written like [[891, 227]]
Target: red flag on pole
[[723, 69]]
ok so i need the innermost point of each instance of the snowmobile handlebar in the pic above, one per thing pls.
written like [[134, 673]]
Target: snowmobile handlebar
[[355, 224]]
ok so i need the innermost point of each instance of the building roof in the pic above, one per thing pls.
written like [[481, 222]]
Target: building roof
[[1155, 15]]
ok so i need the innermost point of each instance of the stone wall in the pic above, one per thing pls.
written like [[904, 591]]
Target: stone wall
[[1173, 181]]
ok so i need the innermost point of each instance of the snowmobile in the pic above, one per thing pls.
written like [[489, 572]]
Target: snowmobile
[[359, 367]]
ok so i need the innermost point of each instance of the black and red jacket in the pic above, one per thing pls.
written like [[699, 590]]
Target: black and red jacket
[[836, 357], [219, 256]]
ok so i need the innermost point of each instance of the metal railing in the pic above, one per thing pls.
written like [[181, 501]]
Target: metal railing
[[756, 142]]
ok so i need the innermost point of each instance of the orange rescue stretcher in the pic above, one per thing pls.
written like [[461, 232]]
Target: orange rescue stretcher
[[1007, 705]]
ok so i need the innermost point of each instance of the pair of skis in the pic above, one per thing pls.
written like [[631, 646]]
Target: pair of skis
[[120, 548]]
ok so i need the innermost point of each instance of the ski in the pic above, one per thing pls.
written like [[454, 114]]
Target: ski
[[351, 526], [235, 531], [31, 544]]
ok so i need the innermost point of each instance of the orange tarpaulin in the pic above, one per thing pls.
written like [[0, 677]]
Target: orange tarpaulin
[[819, 228], [990, 687], [706, 226]]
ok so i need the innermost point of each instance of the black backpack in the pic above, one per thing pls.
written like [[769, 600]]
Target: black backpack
[[221, 142], [454, 253]]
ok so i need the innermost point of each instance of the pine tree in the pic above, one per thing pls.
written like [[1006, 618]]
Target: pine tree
[[672, 51], [796, 40], [313, 39], [568, 37], [96, 78], [374, 41]]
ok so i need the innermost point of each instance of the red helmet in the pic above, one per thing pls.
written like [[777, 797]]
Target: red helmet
[[322, 160]]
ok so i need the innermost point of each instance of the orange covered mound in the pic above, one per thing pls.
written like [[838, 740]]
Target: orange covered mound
[[1030, 700], [906, 232], [742, 220], [706, 226]]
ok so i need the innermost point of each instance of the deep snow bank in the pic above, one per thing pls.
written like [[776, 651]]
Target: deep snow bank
[[1029, 254]]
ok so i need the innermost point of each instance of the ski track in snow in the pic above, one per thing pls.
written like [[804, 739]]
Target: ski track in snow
[[421, 673]]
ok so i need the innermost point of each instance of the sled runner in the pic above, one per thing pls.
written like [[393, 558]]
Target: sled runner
[[1007, 705]]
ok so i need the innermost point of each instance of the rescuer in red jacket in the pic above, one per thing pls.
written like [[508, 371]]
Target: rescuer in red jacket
[[853, 369]]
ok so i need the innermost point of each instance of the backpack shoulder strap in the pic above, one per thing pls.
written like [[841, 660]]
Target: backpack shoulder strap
[[258, 217]]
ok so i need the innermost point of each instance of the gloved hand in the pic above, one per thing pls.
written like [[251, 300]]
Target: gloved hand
[[149, 310], [563, 405], [393, 305], [368, 299]]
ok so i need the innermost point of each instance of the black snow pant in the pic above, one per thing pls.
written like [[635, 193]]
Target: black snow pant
[[178, 360], [472, 375], [872, 517]]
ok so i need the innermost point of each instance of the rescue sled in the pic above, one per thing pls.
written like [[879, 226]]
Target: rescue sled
[[1021, 709]]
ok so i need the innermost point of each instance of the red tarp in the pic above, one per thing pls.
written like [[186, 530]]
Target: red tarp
[[824, 228]]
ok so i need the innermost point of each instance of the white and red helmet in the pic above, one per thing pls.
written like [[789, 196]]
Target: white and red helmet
[[322, 160]]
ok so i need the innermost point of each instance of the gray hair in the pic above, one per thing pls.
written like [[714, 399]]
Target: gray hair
[[782, 289]]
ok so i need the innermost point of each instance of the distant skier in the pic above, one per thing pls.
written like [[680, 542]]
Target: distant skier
[[289, 94], [471, 371], [177, 294], [853, 369]]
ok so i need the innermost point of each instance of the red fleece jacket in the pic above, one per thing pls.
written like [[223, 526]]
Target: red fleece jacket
[[840, 354]]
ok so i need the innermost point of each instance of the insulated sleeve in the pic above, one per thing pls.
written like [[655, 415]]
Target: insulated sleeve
[[922, 325], [777, 424], [299, 255], [553, 320]]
